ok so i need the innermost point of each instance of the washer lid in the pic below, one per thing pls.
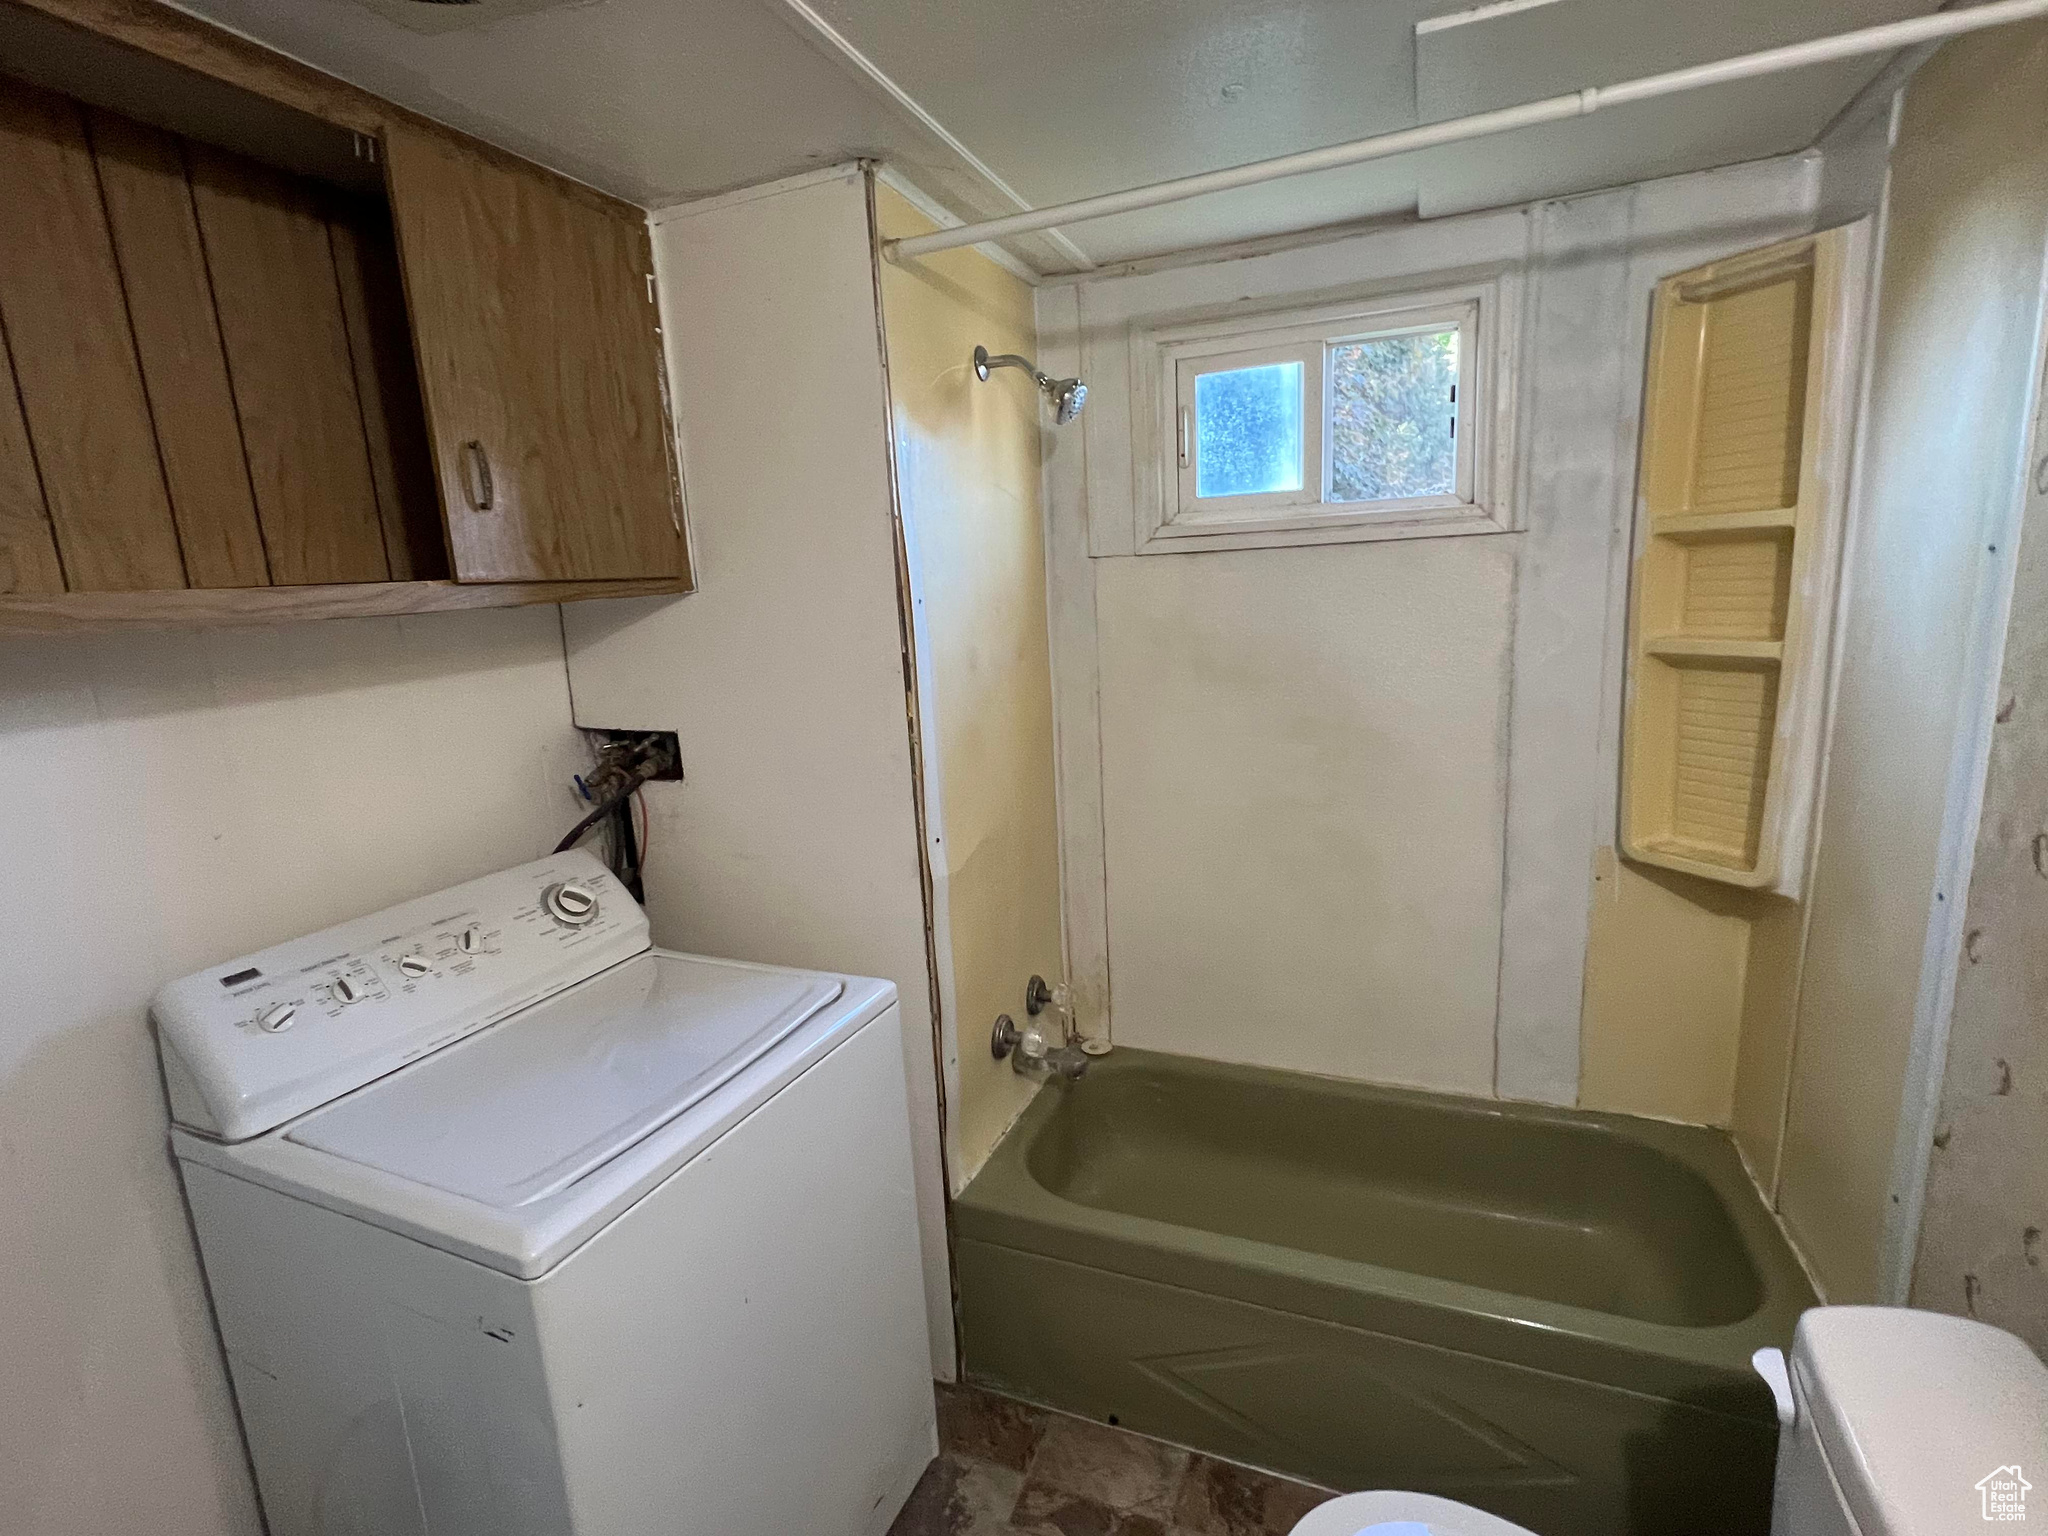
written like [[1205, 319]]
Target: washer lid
[[525, 1109]]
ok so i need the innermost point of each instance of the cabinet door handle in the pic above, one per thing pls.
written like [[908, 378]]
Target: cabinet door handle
[[477, 481]]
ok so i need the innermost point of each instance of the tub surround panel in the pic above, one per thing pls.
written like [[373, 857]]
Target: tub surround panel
[[1594, 261], [1076, 693], [967, 484], [1581, 407], [1665, 961], [1770, 1024], [1297, 878], [1649, 1047], [1243, 913], [1929, 576]]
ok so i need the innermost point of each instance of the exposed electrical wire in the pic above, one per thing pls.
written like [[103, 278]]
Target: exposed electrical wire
[[613, 787], [607, 807]]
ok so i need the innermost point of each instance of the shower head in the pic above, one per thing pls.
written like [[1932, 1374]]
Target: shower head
[[1067, 396]]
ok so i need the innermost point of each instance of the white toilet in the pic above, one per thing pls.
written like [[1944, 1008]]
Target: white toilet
[[1893, 1423]]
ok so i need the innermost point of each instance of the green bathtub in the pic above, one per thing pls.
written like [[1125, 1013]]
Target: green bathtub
[[1547, 1313]]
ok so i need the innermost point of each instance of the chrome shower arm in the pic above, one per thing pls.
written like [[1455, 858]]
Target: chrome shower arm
[[1067, 396], [983, 362]]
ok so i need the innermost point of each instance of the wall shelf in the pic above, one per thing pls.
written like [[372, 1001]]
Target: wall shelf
[[1722, 525], [1745, 433], [1714, 648]]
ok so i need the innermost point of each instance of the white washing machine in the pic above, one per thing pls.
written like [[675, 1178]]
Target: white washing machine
[[517, 1226]]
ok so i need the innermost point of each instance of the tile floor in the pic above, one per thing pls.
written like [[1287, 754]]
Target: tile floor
[[1008, 1468]]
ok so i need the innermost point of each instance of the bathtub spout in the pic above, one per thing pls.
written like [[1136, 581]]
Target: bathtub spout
[[1065, 1061], [1032, 1054], [1069, 1061]]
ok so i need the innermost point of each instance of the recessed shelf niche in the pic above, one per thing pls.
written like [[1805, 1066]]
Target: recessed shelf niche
[[1746, 425]]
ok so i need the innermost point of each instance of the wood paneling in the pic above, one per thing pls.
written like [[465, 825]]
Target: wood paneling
[[212, 51], [177, 338], [74, 355], [387, 383], [77, 613], [28, 548], [535, 331], [170, 34], [294, 380], [227, 377]]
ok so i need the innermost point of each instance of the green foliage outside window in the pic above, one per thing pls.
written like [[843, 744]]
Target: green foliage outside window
[[1393, 417]]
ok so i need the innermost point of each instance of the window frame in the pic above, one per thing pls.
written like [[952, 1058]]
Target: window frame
[[1171, 355], [1220, 507]]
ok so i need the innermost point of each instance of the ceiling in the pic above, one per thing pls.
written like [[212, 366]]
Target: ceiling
[[992, 105]]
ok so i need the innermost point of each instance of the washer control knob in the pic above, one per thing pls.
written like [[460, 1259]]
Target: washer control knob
[[344, 991], [471, 940], [572, 903], [276, 1017], [413, 965]]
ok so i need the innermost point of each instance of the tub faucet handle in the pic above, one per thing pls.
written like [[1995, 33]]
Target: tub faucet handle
[[1003, 1038], [1031, 1053], [1038, 997]]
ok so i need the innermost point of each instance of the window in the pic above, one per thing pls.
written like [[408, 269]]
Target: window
[[1248, 430], [1377, 419], [1363, 422], [1394, 417]]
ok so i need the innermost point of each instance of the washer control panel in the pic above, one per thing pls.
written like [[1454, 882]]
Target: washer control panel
[[262, 1039]]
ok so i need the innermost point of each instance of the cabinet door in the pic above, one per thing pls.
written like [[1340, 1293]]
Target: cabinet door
[[540, 357]]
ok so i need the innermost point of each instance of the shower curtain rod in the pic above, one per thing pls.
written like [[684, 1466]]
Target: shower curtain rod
[[1580, 103]]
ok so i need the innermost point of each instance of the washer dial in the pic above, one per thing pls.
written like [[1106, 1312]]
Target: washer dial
[[570, 903]]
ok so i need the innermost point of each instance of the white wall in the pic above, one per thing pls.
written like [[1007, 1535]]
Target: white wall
[[794, 836], [175, 800], [1338, 809]]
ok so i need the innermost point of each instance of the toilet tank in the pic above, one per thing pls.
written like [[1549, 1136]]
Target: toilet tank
[[1910, 1424]]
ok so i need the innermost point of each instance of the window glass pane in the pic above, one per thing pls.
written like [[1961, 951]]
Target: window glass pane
[[1248, 430], [1394, 417]]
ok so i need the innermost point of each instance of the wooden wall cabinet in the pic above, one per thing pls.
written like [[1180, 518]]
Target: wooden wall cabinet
[[535, 319], [271, 347]]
